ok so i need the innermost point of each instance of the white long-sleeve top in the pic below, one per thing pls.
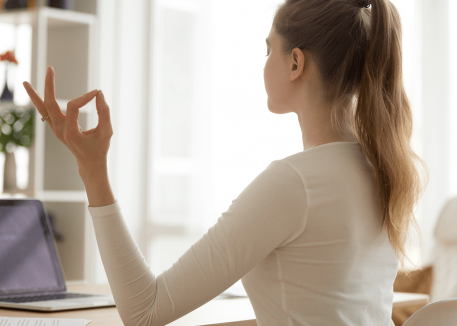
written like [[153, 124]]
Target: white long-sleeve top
[[304, 237]]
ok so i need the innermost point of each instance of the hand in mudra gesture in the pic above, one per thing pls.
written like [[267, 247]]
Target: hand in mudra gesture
[[89, 147]]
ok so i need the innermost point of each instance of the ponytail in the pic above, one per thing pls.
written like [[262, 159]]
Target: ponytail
[[383, 126], [359, 54]]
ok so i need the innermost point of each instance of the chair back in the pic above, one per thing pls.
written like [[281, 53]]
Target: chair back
[[438, 313], [444, 285]]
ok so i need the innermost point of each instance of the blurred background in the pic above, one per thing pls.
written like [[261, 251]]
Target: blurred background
[[184, 81]]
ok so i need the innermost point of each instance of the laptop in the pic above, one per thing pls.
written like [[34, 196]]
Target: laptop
[[31, 276]]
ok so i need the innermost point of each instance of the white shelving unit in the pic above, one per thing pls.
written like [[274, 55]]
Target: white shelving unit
[[65, 40]]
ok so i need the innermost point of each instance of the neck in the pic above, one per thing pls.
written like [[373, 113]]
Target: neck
[[317, 129]]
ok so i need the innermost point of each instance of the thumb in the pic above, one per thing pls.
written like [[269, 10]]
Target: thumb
[[104, 119]]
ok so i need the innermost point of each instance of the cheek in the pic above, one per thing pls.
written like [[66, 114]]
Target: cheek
[[275, 86], [268, 76]]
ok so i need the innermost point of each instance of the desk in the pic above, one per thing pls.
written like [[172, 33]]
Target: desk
[[223, 312]]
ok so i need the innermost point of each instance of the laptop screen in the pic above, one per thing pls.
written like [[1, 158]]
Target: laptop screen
[[28, 261]]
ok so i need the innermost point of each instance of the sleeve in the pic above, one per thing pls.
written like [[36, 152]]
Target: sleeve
[[270, 212]]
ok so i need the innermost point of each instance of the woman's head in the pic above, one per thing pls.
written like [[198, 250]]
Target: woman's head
[[356, 55], [289, 76], [335, 33]]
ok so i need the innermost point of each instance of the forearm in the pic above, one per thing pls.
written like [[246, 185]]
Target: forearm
[[132, 284], [96, 181]]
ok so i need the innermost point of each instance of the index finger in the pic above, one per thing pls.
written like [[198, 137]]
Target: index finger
[[36, 99], [50, 101]]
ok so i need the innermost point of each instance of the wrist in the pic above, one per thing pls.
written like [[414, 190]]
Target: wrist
[[96, 182], [90, 170]]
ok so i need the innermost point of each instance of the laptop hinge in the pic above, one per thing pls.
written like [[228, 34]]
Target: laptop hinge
[[31, 295]]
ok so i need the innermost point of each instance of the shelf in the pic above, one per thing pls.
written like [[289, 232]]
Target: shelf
[[63, 18], [18, 17], [16, 195], [11, 105], [57, 17], [68, 196], [65, 196]]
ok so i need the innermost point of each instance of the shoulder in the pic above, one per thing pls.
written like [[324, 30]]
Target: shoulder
[[278, 185], [282, 174], [336, 156], [326, 151]]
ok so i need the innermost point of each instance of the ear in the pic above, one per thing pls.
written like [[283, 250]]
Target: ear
[[297, 65]]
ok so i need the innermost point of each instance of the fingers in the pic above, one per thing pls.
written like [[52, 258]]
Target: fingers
[[104, 119], [50, 98], [36, 100], [73, 109]]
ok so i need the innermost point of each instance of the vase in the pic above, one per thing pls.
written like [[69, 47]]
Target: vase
[[62, 4], [7, 95], [9, 172]]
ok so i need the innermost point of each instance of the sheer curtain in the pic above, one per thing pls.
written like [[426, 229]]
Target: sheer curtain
[[429, 45], [453, 97]]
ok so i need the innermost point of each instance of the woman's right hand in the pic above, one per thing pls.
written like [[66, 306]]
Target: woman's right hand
[[90, 147]]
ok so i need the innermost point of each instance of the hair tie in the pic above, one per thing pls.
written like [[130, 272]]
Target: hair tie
[[364, 3]]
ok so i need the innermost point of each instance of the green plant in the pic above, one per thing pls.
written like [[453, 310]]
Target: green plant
[[16, 127]]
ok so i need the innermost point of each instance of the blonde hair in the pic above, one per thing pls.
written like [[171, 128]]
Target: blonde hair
[[359, 55]]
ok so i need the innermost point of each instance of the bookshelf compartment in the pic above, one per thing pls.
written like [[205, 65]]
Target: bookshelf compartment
[[60, 168], [68, 53], [69, 220]]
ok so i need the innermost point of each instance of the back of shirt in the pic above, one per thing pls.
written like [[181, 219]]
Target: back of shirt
[[304, 236], [339, 268]]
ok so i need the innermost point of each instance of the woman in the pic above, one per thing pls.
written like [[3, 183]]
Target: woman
[[317, 237]]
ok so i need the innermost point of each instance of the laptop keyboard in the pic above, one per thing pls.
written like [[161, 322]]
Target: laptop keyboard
[[47, 297]]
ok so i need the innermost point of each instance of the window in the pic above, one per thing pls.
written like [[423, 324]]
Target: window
[[212, 132]]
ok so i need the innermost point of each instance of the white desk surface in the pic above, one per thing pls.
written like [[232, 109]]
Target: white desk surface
[[240, 309], [229, 312]]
